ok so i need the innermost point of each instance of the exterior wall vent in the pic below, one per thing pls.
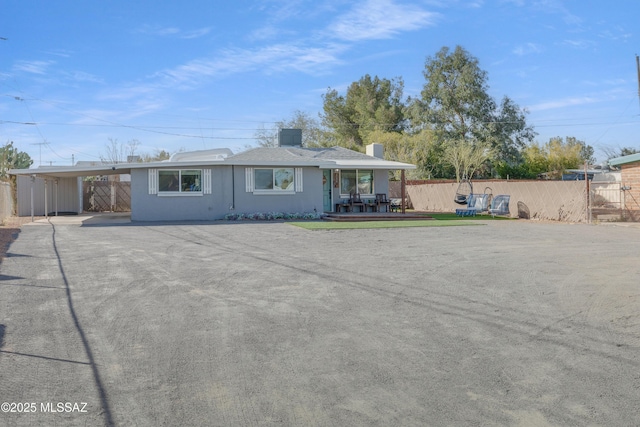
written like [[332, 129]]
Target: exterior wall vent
[[290, 138]]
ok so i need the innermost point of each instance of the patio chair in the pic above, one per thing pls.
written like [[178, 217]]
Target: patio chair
[[355, 200], [475, 203], [500, 205], [464, 191], [371, 203], [381, 200]]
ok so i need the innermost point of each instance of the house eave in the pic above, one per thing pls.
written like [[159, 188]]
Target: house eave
[[632, 158]]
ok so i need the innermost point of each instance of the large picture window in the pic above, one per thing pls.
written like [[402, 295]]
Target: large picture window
[[356, 181], [179, 181], [281, 179]]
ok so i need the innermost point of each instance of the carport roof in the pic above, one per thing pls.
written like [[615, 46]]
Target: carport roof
[[327, 158]]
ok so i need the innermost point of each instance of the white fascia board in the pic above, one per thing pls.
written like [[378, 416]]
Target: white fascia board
[[71, 171], [368, 164], [178, 165]]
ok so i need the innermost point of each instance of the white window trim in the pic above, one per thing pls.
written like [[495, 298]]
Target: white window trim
[[153, 181], [298, 180], [156, 181], [250, 183], [363, 195], [180, 194], [206, 181], [248, 179]]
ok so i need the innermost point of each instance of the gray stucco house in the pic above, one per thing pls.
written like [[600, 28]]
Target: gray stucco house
[[209, 184]]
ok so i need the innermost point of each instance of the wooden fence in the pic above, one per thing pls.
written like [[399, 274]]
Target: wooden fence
[[106, 196], [6, 201]]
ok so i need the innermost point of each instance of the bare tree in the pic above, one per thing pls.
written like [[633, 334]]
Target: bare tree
[[117, 152], [466, 157]]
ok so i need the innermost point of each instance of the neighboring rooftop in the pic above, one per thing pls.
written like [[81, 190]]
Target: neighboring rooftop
[[625, 159]]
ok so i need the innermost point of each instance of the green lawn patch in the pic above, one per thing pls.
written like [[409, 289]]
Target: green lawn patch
[[343, 225], [453, 217]]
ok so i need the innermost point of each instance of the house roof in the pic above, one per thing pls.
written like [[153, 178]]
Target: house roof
[[625, 159], [331, 157], [326, 158]]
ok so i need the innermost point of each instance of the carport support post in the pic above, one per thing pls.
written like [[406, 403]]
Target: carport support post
[[588, 201], [56, 181], [33, 179], [403, 189], [46, 215]]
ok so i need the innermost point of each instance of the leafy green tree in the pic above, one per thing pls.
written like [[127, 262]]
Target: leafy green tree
[[587, 153], [312, 133], [564, 154], [455, 103], [371, 104], [454, 100], [420, 149], [552, 158], [627, 151], [12, 158], [612, 153]]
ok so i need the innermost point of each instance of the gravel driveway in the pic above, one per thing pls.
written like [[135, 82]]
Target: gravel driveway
[[508, 323]]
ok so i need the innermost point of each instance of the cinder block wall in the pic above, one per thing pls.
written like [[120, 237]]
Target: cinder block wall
[[545, 200]]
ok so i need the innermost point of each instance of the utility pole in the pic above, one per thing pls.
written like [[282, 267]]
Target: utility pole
[[40, 144], [638, 67]]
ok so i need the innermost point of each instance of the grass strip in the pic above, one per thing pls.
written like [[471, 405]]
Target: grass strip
[[454, 217], [346, 225]]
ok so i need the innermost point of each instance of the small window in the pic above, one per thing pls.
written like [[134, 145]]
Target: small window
[[179, 181]]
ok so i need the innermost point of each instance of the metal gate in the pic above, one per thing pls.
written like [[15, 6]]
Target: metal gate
[[106, 196], [606, 201]]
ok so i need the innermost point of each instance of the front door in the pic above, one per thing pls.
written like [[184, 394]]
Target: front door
[[326, 190]]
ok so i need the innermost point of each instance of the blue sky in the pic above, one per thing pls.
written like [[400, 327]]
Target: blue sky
[[202, 74]]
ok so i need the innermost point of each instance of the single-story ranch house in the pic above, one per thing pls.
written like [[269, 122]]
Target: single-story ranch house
[[209, 184]]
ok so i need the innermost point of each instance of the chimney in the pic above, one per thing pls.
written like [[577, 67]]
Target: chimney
[[290, 138], [375, 150]]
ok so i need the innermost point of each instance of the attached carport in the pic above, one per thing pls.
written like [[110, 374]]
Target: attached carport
[[53, 190]]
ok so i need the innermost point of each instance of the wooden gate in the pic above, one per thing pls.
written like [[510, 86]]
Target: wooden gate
[[106, 196]]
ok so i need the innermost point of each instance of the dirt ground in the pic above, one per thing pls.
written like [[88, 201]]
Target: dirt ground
[[508, 323], [9, 231]]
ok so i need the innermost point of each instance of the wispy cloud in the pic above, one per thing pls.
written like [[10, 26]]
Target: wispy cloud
[[563, 103], [380, 19], [615, 34], [160, 31], [59, 52], [194, 34], [475, 4], [269, 59], [34, 67], [278, 10], [527, 49], [579, 44], [557, 7], [81, 76]]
